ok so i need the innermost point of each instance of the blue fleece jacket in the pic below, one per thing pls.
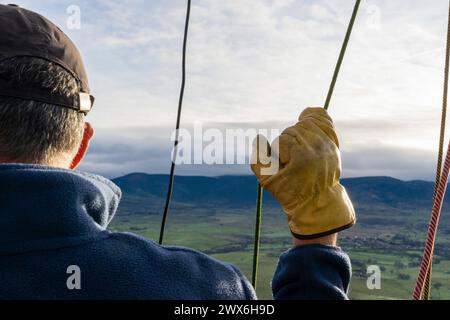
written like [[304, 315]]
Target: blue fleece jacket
[[54, 219]]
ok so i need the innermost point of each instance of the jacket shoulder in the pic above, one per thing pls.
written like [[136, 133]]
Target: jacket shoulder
[[185, 270]]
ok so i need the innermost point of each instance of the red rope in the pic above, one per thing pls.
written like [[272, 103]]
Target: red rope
[[426, 289], [432, 230]]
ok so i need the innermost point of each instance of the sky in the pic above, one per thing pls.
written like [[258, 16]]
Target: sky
[[258, 64]]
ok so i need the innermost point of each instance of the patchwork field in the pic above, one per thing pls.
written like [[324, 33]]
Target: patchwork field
[[390, 238]]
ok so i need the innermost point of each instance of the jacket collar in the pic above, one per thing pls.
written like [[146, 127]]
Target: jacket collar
[[39, 203]]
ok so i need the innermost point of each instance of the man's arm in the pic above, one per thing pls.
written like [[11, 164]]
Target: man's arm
[[313, 270]]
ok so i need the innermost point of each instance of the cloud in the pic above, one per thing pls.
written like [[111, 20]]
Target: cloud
[[118, 152], [382, 160], [262, 61]]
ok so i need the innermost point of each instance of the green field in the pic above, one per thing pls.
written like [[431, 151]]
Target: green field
[[392, 241]]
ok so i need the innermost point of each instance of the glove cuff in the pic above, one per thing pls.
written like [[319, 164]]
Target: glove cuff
[[323, 234], [328, 213]]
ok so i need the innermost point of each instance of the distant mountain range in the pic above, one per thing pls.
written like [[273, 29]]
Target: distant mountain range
[[239, 191]]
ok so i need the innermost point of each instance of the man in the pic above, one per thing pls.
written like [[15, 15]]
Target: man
[[54, 242]]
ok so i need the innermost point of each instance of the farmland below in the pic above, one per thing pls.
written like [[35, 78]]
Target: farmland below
[[216, 216]]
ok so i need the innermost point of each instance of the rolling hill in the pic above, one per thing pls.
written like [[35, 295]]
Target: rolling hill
[[239, 191]]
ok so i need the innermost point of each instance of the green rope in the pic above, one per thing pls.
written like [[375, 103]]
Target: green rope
[[257, 236], [342, 54], [327, 104]]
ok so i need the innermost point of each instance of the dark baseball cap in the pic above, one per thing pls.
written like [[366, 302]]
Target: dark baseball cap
[[24, 33]]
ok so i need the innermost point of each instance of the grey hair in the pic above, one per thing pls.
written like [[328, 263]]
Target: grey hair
[[35, 132]]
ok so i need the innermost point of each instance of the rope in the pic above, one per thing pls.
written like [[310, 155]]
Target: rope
[[431, 237], [342, 54], [427, 284], [178, 124], [257, 236], [327, 104]]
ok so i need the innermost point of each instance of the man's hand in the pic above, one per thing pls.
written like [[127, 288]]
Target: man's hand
[[307, 183]]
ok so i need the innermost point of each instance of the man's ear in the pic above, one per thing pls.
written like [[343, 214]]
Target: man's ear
[[87, 137]]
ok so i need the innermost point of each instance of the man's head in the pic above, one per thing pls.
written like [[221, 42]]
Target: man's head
[[37, 132], [44, 92]]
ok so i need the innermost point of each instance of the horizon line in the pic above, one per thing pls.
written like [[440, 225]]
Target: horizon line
[[249, 175]]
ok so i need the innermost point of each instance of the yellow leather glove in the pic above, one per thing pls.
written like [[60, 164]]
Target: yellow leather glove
[[307, 182]]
